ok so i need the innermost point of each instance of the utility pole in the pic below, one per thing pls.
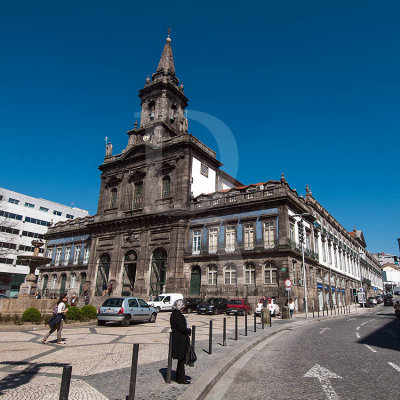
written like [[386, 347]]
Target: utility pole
[[362, 287]]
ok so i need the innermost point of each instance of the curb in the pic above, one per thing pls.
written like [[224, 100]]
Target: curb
[[200, 388]]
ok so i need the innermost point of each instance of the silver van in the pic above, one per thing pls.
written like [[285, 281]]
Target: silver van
[[125, 310]]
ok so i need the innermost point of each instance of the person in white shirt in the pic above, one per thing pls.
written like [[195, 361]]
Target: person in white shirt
[[57, 321]]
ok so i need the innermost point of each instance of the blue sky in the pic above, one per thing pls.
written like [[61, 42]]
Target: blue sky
[[307, 88]]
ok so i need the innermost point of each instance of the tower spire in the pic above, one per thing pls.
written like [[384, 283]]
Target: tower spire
[[166, 63]]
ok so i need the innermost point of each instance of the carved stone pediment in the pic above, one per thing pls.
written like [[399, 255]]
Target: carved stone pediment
[[137, 174], [165, 169], [112, 180], [131, 236]]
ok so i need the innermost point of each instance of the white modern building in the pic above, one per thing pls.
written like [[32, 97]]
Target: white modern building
[[22, 219]]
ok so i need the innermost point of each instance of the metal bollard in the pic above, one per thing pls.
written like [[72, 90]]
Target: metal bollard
[[255, 322], [313, 311], [224, 334], [65, 382], [262, 319], [318, 310], [132, 383], [323, 311], [270, 318], [245, 324], [236, 327], [210, 339], [169, 369], [194, 337]]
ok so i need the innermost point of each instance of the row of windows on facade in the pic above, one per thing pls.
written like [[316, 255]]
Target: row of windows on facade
[[19, 217], [6, 260], [54, 278], [66, 259], [137, 198], [41, 208], [13, 231], [230, 237], [230, 273], [14, 246]]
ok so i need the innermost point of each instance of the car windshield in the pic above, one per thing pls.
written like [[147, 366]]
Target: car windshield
[[113, 303], [212, 301], [236, 302], [159, 298]]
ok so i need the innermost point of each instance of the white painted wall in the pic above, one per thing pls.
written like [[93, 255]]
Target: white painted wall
[[200, 183]]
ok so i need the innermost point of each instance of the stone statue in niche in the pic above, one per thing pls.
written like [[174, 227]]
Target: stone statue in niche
[[184, 125]]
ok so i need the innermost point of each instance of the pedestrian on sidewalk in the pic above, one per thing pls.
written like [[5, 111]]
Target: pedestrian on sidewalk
[[104, 288], [110, 289], [86, 296], [291, 307], [180, 339], [74, 300], [57, 321]]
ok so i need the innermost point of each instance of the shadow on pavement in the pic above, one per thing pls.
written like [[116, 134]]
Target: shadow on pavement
[[19, 378], [387, 337]]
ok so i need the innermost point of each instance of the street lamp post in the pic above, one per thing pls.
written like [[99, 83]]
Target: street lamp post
[[362, 287], [301, 239]]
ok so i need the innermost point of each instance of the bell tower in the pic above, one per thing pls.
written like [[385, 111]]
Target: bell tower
[[163, 103]]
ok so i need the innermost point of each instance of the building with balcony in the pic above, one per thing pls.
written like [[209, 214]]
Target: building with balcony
[[22, 219], [169, 219]]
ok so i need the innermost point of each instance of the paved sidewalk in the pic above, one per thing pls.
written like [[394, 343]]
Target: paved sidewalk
[[101, 358]]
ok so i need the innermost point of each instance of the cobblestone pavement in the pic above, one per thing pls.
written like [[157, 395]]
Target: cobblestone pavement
[[101, 358]]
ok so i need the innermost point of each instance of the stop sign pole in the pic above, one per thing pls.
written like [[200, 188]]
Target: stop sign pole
[[288, 284]]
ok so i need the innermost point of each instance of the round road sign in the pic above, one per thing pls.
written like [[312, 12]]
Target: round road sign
[[288, 283]]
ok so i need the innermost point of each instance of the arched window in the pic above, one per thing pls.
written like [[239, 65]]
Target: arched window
[[53, 281], [249, 274], [137, 195], [230, 274], [158, 276], [102, 274], [152, 107], [172, 114], [270, 274], [114, 193], [212, 275], [166, 186]]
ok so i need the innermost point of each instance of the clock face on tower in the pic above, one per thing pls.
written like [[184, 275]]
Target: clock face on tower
[[146, 138]]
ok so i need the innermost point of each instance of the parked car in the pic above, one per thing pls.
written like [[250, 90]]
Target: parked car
[[371, 301], [272, 306], [238, 306], [125, 310], [164, 302], [3, 296], [213, 305], [191, 304], [388, 300], [379, 299]]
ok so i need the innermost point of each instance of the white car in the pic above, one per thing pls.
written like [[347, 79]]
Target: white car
[[272, 306], [164, 302]]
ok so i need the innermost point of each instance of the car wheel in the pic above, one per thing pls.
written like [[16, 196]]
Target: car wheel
[[215, 311], [158, 309], [198, 312], [153, 317], [101, 323], [126, 321]]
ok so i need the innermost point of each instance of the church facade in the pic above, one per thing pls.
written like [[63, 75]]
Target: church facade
[[169, 219]]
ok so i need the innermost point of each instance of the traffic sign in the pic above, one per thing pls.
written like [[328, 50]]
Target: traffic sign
[[288, 283]]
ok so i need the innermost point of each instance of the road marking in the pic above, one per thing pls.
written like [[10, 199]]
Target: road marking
[[358, 328], [366, 322], [396, 367], [351, 319], [370, 348], [323, 376], [358, 335], [323, 330]]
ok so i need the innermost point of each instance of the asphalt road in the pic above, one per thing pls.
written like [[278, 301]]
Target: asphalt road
[[352, 357]]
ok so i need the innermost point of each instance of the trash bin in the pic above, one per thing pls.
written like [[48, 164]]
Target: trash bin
[[285, 312]]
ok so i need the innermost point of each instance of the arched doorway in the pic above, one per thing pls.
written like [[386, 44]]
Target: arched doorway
[[102, 274], [195, 280], [83, 282], [158, 272], [63, 283], [129, 274]]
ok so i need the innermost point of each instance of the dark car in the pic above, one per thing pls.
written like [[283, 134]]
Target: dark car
[[238, 306], [379, 299], [191, 304], [213, 305], [388, 300]]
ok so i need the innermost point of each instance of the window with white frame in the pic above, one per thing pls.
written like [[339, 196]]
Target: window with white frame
[[67, 255], [269, 234], [270, 274], [58, 256], [230, 274], [329, 254], [324, 251], [249, 274], [72, 280], [308, 241], [53, 281], [50, 253], [76, 254], [230, 238], [86, 254], [196, 241], [291, 232], [249, 236], [212, 275], [316, 245], [212, 240]]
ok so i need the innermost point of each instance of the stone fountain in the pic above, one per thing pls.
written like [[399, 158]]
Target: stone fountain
[[29, 287]]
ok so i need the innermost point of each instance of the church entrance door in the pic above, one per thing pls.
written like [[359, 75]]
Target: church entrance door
[[158, 274], [129, 274], [195, 280]]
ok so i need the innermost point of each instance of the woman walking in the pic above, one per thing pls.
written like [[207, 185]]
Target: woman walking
[[291, 307], [57, 321], [180, 340]]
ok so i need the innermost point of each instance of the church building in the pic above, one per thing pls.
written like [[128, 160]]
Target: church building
[[169, 219]]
